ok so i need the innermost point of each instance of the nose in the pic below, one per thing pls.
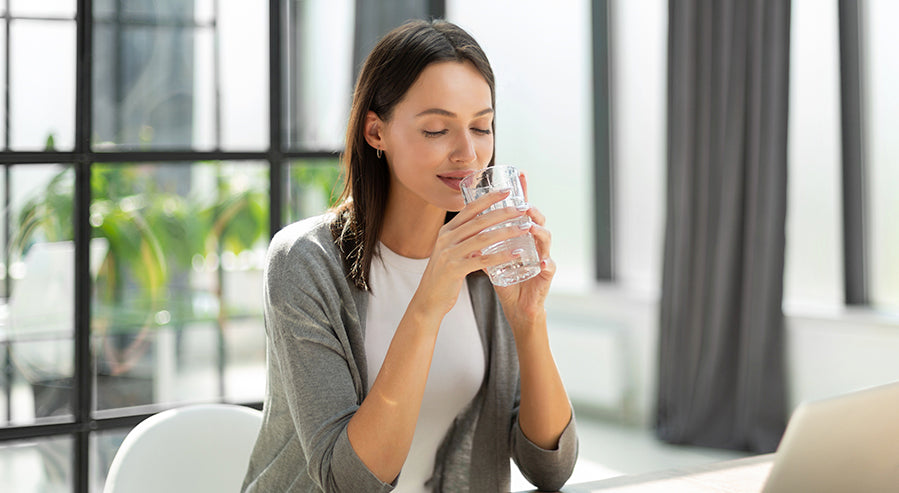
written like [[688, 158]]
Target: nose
[[464, 150]]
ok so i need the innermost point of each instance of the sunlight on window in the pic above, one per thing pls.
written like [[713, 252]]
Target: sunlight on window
[[813, 270], [882, 125]]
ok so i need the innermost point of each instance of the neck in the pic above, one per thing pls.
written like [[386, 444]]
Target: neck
[[411, 231]]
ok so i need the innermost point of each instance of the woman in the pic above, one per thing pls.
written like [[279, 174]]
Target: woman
[[392, 360]]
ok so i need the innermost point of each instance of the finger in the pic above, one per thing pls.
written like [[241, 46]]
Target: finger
[[479, 261], [548, 268], [479, 205], [491, 219], [524, 184], [537, 216], [543, 240], [483, 239]]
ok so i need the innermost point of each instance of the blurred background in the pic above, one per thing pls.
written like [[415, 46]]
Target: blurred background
[[150, 148]]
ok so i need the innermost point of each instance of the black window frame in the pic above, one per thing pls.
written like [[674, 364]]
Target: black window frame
[[603, 208], [854, 185], [82, 158]]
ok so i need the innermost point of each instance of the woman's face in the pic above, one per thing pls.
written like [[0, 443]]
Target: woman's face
[[439, 132]]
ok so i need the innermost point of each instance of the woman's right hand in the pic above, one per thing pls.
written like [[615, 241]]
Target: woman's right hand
[[457, 251]]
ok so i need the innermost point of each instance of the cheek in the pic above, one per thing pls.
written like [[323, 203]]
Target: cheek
[[413, 144], [425, 152], [485, 149], [413, 155]]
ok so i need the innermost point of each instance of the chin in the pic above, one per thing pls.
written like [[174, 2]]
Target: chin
[[455, 207], [449, 203]]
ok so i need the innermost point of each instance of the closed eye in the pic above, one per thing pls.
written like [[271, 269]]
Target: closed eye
[[435, 134], [482, 131]]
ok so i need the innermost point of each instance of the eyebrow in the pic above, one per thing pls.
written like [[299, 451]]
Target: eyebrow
[[443, 112]]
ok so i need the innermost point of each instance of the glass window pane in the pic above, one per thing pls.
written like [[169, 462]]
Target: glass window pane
[[145, 87], [146, 10], [40, 277], [178, 314], [639, 165], [51, 8], [318, 48], [204, 128], [103, 447], [204, 10], [882, 125], [243, 74], [164, 84], [103, 8], [5, 201], [813, 269], [6, 376], [42, 85], [2, 83], [313, 185], [6, 372], [37, 465]]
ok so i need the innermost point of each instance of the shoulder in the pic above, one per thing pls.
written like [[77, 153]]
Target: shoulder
[[310, 236], [312, 232], [305, 247]]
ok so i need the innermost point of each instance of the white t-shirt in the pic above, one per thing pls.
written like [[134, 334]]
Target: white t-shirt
[[457, 367]]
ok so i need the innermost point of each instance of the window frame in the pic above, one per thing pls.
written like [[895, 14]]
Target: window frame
[[603, 231], [854, 186], [82, 158]]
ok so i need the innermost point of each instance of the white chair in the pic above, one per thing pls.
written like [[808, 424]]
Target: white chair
[[198, 448]]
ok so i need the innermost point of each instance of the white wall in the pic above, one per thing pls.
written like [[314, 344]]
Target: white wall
[[843, 351]]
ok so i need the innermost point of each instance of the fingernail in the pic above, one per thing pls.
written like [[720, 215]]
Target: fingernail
[[523, 207], [518, 252], [525, 225]]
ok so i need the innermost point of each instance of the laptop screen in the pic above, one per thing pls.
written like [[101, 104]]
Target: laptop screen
[[847, 443]]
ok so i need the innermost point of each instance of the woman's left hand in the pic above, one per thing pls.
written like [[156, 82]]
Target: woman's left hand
[[545, 410], [523, 303]]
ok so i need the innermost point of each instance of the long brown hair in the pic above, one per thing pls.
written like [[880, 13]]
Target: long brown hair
[[389, 71]]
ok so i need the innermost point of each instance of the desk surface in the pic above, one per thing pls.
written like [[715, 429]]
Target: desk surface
[[736, 476]]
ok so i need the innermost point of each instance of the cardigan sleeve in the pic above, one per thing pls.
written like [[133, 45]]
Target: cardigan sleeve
[[548, 470], [307, 318], [498, 433]]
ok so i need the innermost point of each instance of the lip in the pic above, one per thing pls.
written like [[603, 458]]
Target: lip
[[453, 179]]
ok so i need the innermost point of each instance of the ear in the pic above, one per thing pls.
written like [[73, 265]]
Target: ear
[[374, 127]]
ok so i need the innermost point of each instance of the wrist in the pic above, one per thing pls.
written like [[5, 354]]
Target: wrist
[[424, 313], [527, 321], [529, 328]]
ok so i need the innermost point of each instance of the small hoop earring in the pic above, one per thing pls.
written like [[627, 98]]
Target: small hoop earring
[[379, 153]]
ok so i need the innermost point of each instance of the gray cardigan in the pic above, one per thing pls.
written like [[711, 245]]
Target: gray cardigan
[[317, 377]]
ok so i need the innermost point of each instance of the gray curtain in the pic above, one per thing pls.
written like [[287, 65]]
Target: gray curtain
[[721, 346]]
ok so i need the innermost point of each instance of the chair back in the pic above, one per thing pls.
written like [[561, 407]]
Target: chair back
[[198, 448]]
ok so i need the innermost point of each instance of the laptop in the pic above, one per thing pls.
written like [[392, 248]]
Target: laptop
[[848, 443]]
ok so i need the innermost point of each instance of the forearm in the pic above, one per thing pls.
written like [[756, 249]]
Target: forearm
[[381, 430], [545, 410]]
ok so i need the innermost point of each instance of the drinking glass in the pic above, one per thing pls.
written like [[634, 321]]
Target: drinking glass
[[527, 264]]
